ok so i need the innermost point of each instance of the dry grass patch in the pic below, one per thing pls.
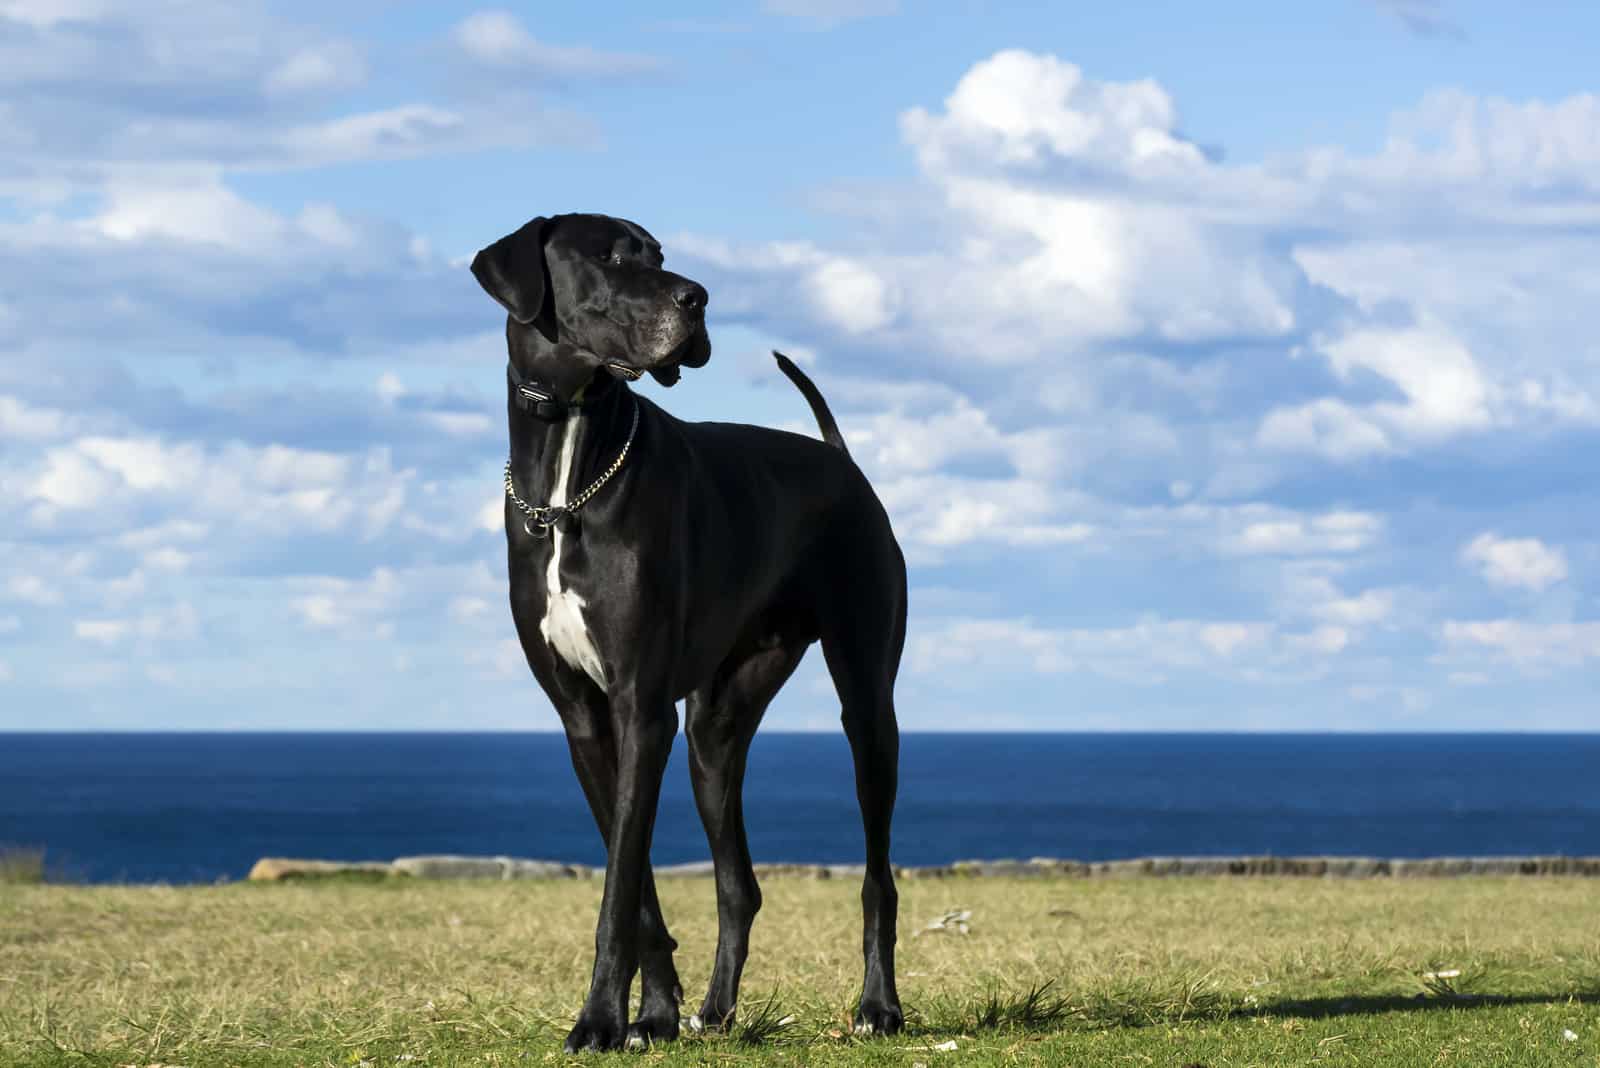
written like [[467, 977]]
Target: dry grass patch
[[1219, 971]]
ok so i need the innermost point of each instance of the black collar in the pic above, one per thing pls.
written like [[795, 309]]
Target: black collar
[[540, 400]]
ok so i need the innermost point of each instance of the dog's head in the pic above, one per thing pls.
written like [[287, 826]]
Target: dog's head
[[593, 286]]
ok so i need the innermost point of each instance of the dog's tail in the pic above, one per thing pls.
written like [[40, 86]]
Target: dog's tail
[[813, 396]]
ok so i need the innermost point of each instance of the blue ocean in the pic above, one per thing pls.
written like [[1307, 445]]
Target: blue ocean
[[202, 807]]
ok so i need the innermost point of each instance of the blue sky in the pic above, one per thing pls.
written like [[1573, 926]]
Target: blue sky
[[1223, 372]]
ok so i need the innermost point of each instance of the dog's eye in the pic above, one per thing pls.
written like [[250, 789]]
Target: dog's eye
[[613, 258]]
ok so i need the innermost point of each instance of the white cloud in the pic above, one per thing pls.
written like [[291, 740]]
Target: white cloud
[[24, 422], [1327, 639], [1288, 534], [1455, 137], [1367, 607], [51, 12], [105, 631], [1521, 295], [318, 68], [1078, 384], [1444, 391], [932, 513], [1326, 426], [160, 534], [1308, 590], [1023, 108], [851, 295], [1225, 639], [271, 489], [32, 589], [1068, 219], [498, 38], [1038, 247], [469, 609], [1142, 653], [176, 622], [1526, 644], [167, 558], [117, 91], [359, 608], [1520, 563], [402, 132], [897, 442], [492, 516]]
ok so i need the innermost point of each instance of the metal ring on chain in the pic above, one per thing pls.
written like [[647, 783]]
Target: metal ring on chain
[[545, 516]]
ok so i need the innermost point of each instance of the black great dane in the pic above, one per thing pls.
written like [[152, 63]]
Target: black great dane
[[653, 560]]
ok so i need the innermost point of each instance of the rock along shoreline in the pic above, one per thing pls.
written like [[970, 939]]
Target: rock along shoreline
[[444, 866]]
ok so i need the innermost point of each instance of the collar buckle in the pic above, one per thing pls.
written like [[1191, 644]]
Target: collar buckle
[[535, 397]]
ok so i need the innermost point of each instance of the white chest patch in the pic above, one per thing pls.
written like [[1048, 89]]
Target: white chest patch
[[563, 626]]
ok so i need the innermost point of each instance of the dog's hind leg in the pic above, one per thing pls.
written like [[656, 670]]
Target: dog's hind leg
[[594, 758], [722, 720], [862, 644]]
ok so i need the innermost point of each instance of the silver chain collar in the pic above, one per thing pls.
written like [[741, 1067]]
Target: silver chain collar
[[541, 517]]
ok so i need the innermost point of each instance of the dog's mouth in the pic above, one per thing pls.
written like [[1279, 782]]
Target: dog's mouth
[[692, 351]]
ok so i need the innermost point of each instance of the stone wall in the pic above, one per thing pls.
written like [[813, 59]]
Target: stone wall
[[272, 869]]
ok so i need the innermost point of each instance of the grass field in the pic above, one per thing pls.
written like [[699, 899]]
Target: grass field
[[1134, 972]]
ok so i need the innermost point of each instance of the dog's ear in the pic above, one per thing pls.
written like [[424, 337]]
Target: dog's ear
[[512, 271]]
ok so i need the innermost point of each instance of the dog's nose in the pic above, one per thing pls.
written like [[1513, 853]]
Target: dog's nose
[[690, 296]]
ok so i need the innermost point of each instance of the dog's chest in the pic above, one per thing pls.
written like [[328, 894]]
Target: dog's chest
[[563, 626]]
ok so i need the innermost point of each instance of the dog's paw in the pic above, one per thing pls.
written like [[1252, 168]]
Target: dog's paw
[[711, 1019], [879, 1018], [596, 1031], [653, 1027]]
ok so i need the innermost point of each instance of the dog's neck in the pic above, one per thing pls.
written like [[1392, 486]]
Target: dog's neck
[[564, 368], [555, 458]]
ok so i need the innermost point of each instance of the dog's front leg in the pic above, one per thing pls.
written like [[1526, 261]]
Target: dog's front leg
[[644, 731], [594, 757]]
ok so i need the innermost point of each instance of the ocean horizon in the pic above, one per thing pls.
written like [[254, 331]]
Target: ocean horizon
[[199, 806]]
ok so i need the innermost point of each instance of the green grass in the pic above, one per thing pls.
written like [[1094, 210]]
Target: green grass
[[1053, 971]]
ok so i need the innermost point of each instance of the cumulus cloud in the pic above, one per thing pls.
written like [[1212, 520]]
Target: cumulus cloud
[[1023, 108], [1495, 145], [1518, 563], [1071, 217], [1444, 393]]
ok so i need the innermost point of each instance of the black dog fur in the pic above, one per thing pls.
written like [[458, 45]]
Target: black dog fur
[[701, 571]]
